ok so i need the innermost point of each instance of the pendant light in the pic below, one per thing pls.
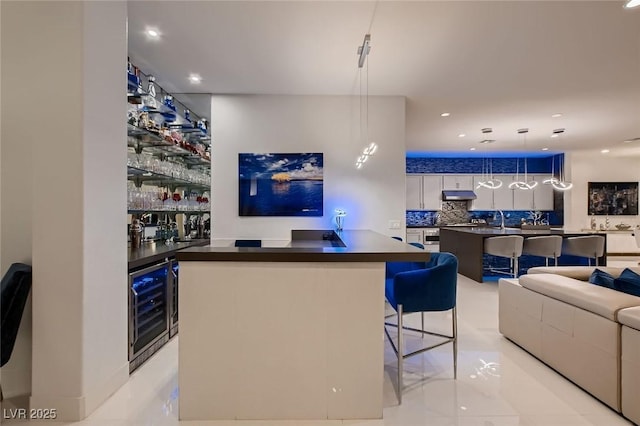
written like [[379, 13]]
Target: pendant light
[[370, 147], [488, 181], [525, 184], [562, 184], [558, 183]]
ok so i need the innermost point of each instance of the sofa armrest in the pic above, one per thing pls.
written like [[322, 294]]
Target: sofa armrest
[[630, 317], [581, 273], [590, 297]]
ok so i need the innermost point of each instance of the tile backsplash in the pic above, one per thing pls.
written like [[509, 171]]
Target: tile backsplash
[[453, 212], [511, 218]]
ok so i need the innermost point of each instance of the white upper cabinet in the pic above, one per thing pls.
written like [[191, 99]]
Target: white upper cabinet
[[424, 192], [523, 198], [503, 196], [414, 192], [485, 195], [431, 192], [540, 198], [463, 182], [543, 194]]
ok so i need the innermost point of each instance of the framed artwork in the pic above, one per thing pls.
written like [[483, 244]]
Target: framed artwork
[[289, 184], [613, 198]]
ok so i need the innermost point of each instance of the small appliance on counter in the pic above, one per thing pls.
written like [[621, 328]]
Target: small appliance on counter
[[136, 233]]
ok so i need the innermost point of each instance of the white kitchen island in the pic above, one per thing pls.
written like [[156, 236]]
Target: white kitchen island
[[286, 333]]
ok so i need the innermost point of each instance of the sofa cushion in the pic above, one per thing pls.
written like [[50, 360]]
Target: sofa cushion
[[601, 278], [630, 317], [628, 282], [592, 298]]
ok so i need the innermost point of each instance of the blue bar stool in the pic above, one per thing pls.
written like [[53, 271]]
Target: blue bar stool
[[431, 288]]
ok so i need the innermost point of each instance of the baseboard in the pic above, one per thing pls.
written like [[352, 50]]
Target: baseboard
[[78, 408]]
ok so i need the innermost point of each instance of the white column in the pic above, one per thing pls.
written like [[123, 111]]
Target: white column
[[63, 93]]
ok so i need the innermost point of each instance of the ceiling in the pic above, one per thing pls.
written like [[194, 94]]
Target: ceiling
[[504, 65]]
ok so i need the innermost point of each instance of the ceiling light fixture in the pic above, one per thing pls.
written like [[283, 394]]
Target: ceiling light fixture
[[556, 115], [371, 147], [632, 3], [195, 78], [558, 183], [545, 149], [488, 180], [363, 51], [152, 33], [445, 114], [525, 184], [462, 135], [472, 149], [632, 140], [605, 151]]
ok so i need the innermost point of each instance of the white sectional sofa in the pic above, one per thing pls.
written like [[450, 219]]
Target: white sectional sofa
[[630, 384], [576, 328]]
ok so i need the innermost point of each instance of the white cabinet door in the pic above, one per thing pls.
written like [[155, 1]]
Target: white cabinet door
[[485, 195], [523, 198], [431, 192], [414, 192], [542, 194], [503, 196], [414, 236], [464, 182]]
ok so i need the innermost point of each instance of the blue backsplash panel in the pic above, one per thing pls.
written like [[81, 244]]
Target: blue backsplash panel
[[474, 165], [511, 217]]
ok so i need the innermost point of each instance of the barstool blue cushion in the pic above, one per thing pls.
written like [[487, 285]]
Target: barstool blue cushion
[[429, 288]]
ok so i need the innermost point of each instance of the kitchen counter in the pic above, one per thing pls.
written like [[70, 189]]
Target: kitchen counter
[[468, 245], [345, 246], [152, 252]]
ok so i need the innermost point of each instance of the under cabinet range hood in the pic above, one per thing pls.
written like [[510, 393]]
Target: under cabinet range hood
[[458, 195]]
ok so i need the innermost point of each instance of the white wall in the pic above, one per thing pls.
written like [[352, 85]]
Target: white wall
[[66, 183], [372, 195], [591, 166]]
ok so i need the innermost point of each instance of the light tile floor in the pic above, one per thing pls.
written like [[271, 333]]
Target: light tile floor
[[498, 384]]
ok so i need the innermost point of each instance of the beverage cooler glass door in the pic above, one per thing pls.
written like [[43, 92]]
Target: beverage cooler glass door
[[148, 307], [173, 325]]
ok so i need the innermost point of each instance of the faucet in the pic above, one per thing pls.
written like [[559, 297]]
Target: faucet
[[501, 218]]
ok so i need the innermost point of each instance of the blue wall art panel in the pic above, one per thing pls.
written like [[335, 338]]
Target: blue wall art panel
[[289, 184]]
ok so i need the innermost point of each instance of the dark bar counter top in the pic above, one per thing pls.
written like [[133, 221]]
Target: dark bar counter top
[[152, 252], [316, 246]]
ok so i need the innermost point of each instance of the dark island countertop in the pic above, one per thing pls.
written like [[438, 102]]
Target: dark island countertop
[[467, 244], [152, 252], [316, 246]]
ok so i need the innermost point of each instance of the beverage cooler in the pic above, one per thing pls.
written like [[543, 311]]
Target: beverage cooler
[[173, 307], [149, 310]]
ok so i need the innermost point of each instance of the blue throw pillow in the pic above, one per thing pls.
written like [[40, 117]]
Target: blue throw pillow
[[628, 282], [602, 279]]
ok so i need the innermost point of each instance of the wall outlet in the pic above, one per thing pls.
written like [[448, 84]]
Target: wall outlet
[[394, 224]]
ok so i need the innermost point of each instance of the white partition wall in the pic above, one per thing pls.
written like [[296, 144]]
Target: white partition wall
[[372, 196], [64, 192]]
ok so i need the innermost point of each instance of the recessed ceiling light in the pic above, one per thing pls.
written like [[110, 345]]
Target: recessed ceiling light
[[605, 151], [555, 135], [632, 140], [445, 114], [461, 135], [545, 149], [152, 33], [195, 78], [556, 115], [632, 3], [487, 141], [472, 149]]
